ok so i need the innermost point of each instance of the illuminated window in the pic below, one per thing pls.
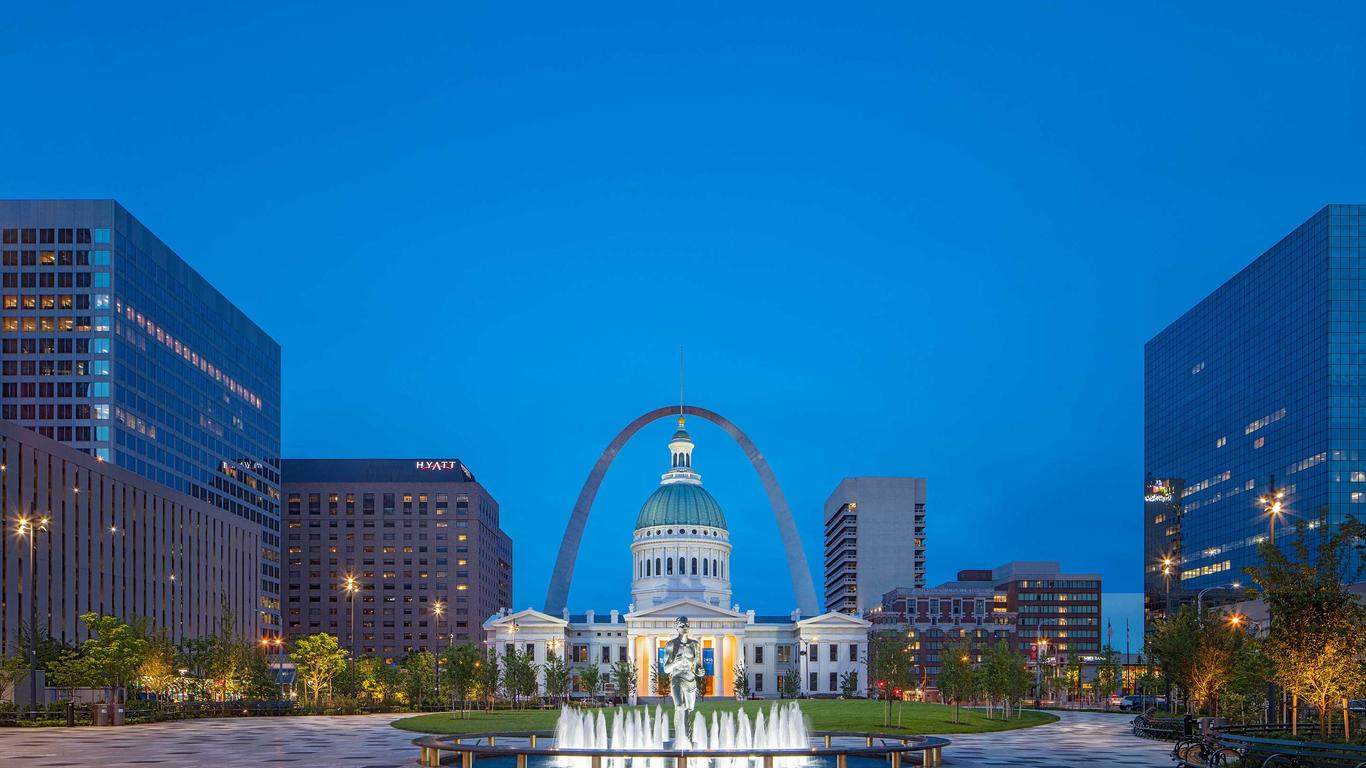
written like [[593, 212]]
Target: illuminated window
[[1359, 477], [1221, 442], [1358, 497], [1259, 442]]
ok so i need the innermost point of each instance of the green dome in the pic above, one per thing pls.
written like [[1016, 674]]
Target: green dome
[[680, 504]]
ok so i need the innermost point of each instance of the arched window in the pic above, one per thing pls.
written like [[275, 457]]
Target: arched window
[[671, 566], [704, 567], [715, 569], [694, 566], [657, 571], [641, 568]]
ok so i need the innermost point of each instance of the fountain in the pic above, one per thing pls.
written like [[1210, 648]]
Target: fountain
[[634, 730]]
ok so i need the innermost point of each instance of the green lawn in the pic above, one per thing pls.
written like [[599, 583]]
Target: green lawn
[[825, 715]]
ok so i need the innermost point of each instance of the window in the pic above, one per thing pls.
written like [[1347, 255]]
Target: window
[[784, 654], [834, 681], [670, 569], [834, 652], [853, 651], [694, 566], [607, 654], [759, 682], [811, 682], [758, 654]]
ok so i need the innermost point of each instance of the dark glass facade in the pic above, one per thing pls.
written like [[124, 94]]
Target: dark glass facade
[[113, 345], [1263, 377]]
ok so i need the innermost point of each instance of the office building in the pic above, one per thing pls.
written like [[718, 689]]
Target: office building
[[874, 540], [1022, 603], [1262, 378], [114, 346], [113, 542], [419, 537]]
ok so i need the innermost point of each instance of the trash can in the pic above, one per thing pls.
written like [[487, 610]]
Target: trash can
[[117, 714], [101, 714], [1208, 724]]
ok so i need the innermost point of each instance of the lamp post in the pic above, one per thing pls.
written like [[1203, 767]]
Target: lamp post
[[1040, 648], [30, 527], [1200, 599], [439, 609], [351, 587], [1274, 505], [1167, 582]]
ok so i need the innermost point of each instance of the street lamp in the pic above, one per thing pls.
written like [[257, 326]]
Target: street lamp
[[1274, 505], [30, 527], [1040, 648], [351, 588], [1200, 599], [1167, 563], [439, 609]]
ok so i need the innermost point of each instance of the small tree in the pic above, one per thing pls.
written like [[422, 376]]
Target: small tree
[[997, 667], [1175, 644], [519, 674], [488, 676], [158, 668], [849, 684], [12, 670], [889, 667], [957, 678], [419, 677], [740, 680], [590, 680], [790, 684], [624, 677], [557, 680], [113, 653], [1018, 684], [461, 666], [1107, 675], [256, 678], [317, 660], [1318, 629]]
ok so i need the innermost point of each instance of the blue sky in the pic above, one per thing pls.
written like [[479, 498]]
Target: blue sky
[[896, 239]]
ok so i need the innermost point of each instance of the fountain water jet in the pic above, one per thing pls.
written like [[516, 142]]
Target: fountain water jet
[[784, 727]]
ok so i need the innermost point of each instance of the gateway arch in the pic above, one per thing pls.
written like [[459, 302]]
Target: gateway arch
[[558, 593]]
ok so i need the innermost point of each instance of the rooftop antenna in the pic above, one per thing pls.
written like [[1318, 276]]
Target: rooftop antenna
[[680, 381]]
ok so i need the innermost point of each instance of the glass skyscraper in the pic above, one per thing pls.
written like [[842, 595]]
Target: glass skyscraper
[[1264, 377], [115, 346]]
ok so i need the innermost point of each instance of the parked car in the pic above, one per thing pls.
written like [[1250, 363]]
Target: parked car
[[1141, 702]]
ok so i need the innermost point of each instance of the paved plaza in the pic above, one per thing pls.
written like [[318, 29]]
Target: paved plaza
[[367, 741]]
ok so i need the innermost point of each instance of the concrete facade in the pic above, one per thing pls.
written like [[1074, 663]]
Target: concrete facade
[[874, 540], [118, 544], [411, 532]]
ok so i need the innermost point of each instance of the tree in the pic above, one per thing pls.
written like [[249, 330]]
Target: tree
[[556, 676], [994, 679], [1318, 629], [1018, 684], [590, 679], [623, 674], [488, 676], [256, 678], [419, 677], [113, 653], [889, 667], [460, 672], [957, 678], [1107, 675], [12, 670], [49, 648], [849, 687], [158, 668], [790, 684], [519, 674], [1175, 644], [317, 660], [740, 680], [1073, 676]]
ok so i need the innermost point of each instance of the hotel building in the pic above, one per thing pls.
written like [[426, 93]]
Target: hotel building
[[419, 539], [115, 346]]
